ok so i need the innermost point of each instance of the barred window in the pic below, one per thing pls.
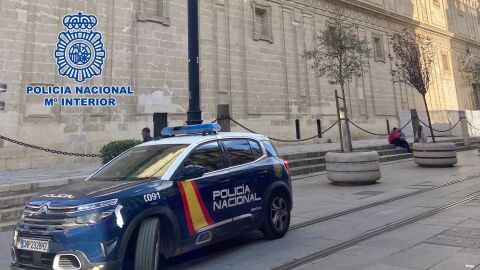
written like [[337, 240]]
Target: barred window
[[262, 22], [445, 63], [154, 11], [378, 48], [460, 7]]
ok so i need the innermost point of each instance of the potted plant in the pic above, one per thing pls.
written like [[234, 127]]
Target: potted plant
[[339, 54], [413, 59]]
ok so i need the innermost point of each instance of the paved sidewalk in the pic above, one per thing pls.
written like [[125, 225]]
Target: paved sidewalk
[[80, 170]]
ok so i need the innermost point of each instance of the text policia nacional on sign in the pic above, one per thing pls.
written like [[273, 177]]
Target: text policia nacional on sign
[[80, 56], [78, 98]]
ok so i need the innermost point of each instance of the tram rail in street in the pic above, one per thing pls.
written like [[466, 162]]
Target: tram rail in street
[[372, 233]]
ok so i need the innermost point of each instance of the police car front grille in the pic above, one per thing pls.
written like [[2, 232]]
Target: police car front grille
[[53, 210], [35, 235], [47, 223], [35, 260], [51, 219]]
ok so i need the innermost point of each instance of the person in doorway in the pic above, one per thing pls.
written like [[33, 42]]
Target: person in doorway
[[420, 136], [146, 135], [397, 138]]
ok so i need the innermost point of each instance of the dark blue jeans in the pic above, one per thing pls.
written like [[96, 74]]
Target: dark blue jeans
[[402, 143]]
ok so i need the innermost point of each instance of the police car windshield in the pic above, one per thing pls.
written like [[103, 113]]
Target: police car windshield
[[141, 163]]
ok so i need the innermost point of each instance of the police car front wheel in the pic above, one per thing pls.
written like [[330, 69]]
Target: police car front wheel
[[277, 219], [147, 252]]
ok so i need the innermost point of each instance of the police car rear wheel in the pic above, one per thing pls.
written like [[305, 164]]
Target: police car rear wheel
[[277, 219], [147, 252]]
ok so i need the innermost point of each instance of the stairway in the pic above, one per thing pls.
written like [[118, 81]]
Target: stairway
[[14, 197], [314, 162]]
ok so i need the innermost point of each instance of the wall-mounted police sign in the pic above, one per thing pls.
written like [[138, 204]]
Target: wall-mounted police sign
[[79, 52]]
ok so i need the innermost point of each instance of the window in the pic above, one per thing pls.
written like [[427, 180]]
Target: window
[[271, 152], [208, 156], [460, 7], [141, 163], [378, 47], [262, 22], [154, 11], [445, 63], [257, 150], [239, 152]]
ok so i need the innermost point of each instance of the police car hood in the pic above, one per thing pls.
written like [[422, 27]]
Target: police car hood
[[93, 191]]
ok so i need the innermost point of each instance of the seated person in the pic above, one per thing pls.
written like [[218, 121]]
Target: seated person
[[397, 138]]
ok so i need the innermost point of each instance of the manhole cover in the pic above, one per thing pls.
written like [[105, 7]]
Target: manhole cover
[[368, 193], [457, 237]]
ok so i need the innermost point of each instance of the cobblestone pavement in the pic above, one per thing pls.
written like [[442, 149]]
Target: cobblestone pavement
[[447, 240]]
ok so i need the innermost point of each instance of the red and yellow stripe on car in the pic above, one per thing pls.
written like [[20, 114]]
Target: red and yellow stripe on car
[[196, 213]]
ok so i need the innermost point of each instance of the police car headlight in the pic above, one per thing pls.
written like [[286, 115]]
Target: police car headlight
[[93, 218], [98, 205]]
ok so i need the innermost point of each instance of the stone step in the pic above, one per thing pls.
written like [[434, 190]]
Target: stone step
[[11, 214], [307, 169], [321, 160], [306, 162], [7, 226], [19, 200], [378, 148], [31, 187], [386, 156], [400, 156]]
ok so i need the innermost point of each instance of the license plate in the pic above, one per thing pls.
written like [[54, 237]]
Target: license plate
[[33, 245]]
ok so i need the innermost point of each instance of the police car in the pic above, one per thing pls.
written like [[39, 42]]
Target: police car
[[158, 200]]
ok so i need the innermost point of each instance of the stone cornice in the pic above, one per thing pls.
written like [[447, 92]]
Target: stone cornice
[[381, 13]]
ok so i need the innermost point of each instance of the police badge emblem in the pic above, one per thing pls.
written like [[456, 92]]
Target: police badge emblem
[[79, 51]]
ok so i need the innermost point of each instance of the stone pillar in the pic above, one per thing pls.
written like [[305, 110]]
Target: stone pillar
[[223, 117], [464, 126], [415, 121]]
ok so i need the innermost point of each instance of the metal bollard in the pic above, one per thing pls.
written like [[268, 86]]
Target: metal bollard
[[319, 128], [297, 128]]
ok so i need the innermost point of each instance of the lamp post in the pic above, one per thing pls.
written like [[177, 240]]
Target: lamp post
[[194, 115]]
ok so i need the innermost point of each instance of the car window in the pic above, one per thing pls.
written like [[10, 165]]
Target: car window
[[208, 156], [257, 150], [140, 163], [239, 151], [271, 152]]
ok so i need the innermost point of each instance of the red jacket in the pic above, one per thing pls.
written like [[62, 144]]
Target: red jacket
[[393, 135]]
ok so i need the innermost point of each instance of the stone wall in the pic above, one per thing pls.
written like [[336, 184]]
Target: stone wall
[[250, 58]]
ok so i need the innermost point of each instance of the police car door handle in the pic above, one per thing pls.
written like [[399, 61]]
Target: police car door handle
[[224, 180], [263, 173]]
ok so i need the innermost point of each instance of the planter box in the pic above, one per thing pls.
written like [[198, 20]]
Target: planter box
[[357, 168], [435, 154]]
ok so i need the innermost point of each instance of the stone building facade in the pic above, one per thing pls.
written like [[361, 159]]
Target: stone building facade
[[250, 58]]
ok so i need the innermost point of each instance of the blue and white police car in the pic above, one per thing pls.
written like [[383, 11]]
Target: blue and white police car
[[158, 200]]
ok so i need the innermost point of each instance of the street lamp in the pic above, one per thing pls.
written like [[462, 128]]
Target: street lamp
[[194, 115]]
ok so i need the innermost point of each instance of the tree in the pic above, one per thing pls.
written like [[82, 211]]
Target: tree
[[414, 63], [339, 54]]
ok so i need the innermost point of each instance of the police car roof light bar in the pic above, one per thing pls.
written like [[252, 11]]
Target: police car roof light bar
[[203, 129]]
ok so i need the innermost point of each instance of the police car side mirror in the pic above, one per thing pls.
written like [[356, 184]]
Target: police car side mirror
[[193, 171]]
